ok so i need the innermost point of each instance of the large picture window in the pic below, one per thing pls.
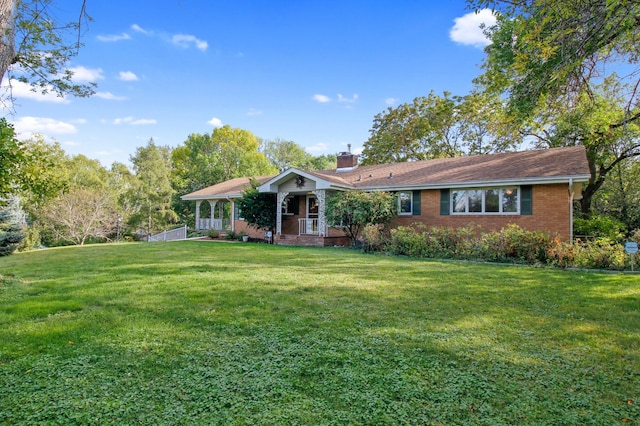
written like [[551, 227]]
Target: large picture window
[[485, 201]]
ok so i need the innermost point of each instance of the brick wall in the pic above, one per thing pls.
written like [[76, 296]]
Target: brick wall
[[551, 213]]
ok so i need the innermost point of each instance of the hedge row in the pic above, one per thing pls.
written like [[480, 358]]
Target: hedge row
[[512, 244]]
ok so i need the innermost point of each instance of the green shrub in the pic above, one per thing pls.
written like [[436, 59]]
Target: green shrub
[[212, 233], [409, 241], [599, 227], [230, 235], [601, 253]]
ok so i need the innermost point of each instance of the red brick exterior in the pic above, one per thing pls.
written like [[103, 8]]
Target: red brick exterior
[[551, 213]]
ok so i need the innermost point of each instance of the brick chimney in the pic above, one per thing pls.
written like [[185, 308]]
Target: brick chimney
[[347, 160]]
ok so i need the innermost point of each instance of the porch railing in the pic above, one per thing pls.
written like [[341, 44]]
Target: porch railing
[[308, 226], [216, 224], [172, 235]]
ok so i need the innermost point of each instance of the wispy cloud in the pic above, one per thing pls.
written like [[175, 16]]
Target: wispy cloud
[[134, 121], [323, 99], [28, 126], [128, 76], [114, 37], [253, 112], [186, 40], [391, 101], [83, 74], [20, 90], [351, 100], [467, 29], [215, 122], [137, 28], [109, 96], [319, 147]]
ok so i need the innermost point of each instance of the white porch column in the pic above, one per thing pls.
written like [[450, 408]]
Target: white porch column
[[280, 201], [212, 203], [322, 220], [198, 202]]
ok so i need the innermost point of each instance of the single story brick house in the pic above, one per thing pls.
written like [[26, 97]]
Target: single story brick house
[[534, 189]]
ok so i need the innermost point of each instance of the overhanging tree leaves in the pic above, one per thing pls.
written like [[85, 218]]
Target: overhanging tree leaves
[[35, 48], [571, 73], [353, 210]]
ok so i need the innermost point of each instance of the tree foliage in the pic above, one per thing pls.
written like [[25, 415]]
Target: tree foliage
[[352, 210], [81, 213], [151, 192], [570, 72], [438, 127], [11, 226], [286, 154], [11, 155], [35, 47], [259, 209]]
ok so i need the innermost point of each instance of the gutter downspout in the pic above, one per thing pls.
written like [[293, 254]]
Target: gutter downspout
[[571, 192]]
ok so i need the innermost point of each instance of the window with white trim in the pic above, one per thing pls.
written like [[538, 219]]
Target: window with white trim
[[485, 201], [405, 203]]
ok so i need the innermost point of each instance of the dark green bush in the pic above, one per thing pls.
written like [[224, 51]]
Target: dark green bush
[[599, 227]]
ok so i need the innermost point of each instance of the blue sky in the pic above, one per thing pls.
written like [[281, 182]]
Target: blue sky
[[315, 72]]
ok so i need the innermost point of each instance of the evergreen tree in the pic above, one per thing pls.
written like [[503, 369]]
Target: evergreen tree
[[11, 226]]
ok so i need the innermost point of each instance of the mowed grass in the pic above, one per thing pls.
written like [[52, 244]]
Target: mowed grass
[[218, 333]]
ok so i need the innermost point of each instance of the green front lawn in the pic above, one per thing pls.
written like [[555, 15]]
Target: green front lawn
[[219, 333]]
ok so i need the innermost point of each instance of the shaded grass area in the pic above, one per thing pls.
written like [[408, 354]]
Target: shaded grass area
[[217, 333]]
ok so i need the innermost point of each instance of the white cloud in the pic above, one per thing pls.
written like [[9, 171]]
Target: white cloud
[[71, 143], [128, 76], [253, 112], [114, 37], [186, 41], [83, 74], [134, 121], [319, 147], [28, 126], [351, 100], [20, 90], [109, 96], [467, 29], [215, 122], [390, 101], [323, 99], [139, 29], [79, 121]]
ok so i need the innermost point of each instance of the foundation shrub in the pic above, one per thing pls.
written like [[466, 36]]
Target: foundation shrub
[[375, 238], [409, 241], [602, 253], [511, 244]]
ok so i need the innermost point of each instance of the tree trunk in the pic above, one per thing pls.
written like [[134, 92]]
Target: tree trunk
[[7, 35]]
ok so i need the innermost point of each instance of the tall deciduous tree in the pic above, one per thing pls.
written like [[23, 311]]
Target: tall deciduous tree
[[81, 213], [437, 127], [151, 192], [571, 73], [35, 48]]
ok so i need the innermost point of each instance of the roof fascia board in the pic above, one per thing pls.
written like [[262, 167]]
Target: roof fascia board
[[486, 183]]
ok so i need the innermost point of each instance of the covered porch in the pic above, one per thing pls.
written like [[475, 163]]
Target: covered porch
[[216, 214]]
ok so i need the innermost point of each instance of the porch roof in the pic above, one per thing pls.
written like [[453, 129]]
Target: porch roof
[[229, 189]]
